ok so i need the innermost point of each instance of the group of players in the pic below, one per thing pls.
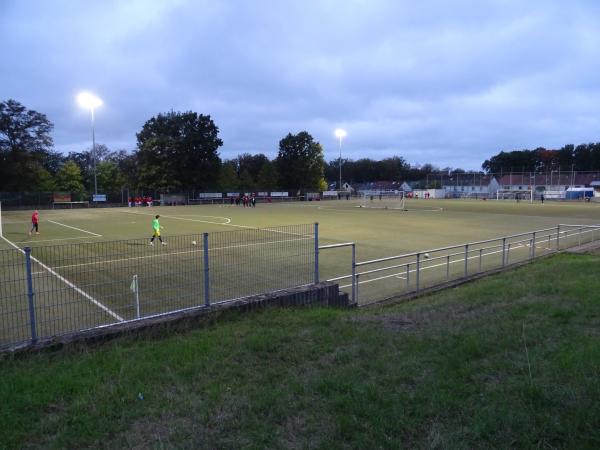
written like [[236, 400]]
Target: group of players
[[245, 200], [140, 201]]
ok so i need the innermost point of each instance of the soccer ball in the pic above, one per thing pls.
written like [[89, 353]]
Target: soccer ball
[[193, 242], [426, 255]]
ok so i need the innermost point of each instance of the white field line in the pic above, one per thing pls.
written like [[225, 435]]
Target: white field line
[[54, 240], [75, 228], [228, 223], [160, 255], [68, 283], [401, 274]]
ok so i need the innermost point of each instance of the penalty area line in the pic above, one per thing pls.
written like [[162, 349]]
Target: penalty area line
[[75, 228]]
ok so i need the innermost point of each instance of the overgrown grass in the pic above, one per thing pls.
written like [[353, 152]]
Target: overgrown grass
[[509, 361]]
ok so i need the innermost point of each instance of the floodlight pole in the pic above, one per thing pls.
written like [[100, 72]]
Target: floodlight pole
[[94, 152], [340, 186]]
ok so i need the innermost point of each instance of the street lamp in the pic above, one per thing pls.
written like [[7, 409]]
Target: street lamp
[[339, 133], [90, 101]]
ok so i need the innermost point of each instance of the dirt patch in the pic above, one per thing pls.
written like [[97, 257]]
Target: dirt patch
[[442, 316]]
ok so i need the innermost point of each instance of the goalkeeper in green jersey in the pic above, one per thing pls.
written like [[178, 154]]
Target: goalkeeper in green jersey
[[156, 227]]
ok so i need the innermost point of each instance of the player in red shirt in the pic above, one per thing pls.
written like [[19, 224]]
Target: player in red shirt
[[35, 218]]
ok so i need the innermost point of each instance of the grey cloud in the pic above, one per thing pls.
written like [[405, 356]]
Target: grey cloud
[[449, 83]]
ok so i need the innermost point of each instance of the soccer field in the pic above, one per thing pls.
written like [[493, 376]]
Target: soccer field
[[84, 259]]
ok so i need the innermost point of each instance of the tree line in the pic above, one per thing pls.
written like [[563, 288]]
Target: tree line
[[175, 151], [583, 157], [179, 151]]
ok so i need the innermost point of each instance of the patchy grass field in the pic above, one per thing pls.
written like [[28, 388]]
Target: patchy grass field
[[511, 361]]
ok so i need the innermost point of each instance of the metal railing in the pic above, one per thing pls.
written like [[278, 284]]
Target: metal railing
[[53, 290], [384, 278]]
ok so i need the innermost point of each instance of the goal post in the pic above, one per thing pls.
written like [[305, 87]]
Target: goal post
[[521, 195], [70, 205], [382, 199]]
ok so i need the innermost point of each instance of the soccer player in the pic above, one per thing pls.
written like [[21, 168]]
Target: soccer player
[[156, 227], [35, 218]]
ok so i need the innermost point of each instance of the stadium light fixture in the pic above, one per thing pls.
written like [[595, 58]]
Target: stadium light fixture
[[91, 102], [339, 133]]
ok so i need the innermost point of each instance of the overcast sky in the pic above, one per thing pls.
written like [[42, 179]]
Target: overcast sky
[[446, 82]]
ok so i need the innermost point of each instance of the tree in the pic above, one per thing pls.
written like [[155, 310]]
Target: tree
[[179, 150], [300, 162], [246, 181], [109, 177], [69, 178], [228, 181], [25, 146], [268, 177], [252, 164]]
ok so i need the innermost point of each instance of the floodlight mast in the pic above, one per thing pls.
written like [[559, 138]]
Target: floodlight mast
[[340, 134], [91, 102]]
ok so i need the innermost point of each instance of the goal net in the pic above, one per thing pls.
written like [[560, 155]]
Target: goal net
[[382, 199], [522, 195]]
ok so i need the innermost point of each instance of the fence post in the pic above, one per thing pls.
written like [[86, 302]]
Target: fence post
[[533, 246], [466, 260], [136, 292], [408, 276], [508, 253], [557, 238], [357, 276], [503, 252], [354, 300], [418, 279], [580, 233], [447, 267], [316, 252], [480, 255], [30, 294], [206, 272]]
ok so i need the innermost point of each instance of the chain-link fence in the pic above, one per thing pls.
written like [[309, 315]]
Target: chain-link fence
[[53, 290]]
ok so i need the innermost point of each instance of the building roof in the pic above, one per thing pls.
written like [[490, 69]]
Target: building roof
[[468, 180]]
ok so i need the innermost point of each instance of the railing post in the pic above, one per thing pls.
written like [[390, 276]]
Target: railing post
[[30, 294], [316, 252], [357, 277], [580, 233], [418, 279], [447, 267], [557, 238], [408, 276], [136, 293], [206, 271], [533, 246], [466, 259], [353, 273], [503, 252], [508, 253], [480, 255]]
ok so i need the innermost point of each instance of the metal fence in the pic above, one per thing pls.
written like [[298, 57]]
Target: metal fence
[[53, 290], [385, 278]]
